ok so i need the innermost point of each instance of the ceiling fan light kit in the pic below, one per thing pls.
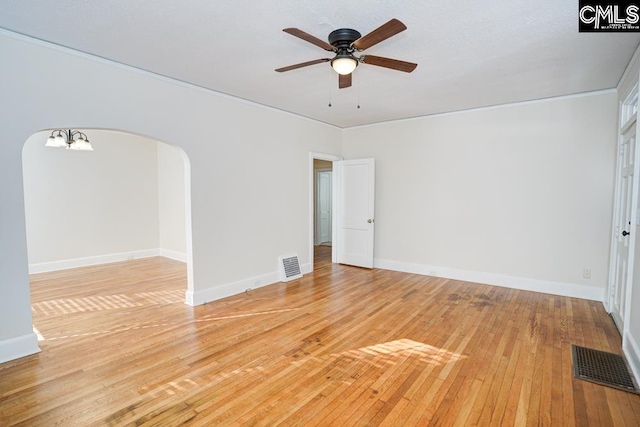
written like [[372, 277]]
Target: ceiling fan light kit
[[344, 42], [344, 64]]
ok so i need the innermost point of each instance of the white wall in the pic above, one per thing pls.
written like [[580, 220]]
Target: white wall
[[516, 195], [172, 202], [83, 207], [245, 159]]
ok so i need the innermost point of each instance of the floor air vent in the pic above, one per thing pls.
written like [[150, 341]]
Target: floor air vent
[[602, 368], [289, 268]]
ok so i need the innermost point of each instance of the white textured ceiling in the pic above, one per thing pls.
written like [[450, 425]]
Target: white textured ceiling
[[470, 53]]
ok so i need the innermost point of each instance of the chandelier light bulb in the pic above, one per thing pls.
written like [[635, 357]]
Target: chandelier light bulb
[[83, 144], [51, 142], [60, 141]]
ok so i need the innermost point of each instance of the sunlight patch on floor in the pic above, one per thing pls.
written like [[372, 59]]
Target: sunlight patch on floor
[[236, 316], [378, 355], [392, 351], [105, 302], [84, 333], [404, 346], [38, 334]]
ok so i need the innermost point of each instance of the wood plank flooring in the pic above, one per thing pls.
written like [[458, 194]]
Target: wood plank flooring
[[341, 346]]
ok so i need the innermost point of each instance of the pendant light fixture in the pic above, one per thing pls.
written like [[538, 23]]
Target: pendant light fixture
[[70, 139]]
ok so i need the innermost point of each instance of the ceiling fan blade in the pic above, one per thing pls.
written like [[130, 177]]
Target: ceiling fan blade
[[309, 38], [344, 80], [302, 64], [381, 33], [394, 64]]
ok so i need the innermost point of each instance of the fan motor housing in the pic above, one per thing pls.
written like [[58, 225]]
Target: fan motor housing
[[343, 37]]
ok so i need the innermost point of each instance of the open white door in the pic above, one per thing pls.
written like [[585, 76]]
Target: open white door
[[625, 224], [355, 189]]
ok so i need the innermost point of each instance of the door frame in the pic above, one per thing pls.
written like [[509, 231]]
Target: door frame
[[318, 241], [626, 121], [312, 209]]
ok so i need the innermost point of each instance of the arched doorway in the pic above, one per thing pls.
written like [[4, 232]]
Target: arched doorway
[[128, 199]]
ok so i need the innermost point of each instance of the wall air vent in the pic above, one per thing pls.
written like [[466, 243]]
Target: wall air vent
[[289, 268]]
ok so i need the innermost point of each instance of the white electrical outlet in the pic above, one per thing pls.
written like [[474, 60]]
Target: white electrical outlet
[[586, 273]]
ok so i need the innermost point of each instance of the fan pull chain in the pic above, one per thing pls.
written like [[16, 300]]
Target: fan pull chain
[[359, 92], [329, 97]]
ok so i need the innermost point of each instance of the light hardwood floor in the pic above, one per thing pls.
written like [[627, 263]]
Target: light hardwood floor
[[342, 346]]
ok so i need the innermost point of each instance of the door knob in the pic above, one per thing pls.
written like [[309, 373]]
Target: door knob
[[625, 233], [369, 221]]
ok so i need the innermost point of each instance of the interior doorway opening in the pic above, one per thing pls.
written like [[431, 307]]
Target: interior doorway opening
[[321, 205], [130, 198], [323, 212]]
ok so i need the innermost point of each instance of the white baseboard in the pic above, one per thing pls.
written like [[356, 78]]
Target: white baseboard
[[218, 292], [306, 268], [632, 353], [523, 283], [93, 260], [21, 346], [178, 256]]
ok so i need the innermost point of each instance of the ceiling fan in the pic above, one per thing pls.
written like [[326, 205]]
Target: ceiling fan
[[344, 42]]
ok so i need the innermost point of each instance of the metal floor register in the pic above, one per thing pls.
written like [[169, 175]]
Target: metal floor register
[[603, 368]]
